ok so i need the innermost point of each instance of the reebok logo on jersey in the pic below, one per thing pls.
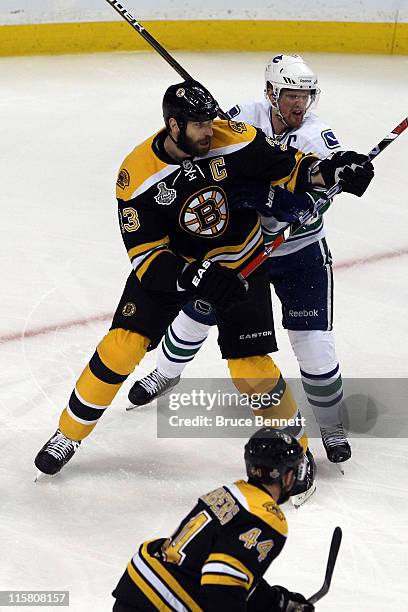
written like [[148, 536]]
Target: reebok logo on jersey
[[304, 313]]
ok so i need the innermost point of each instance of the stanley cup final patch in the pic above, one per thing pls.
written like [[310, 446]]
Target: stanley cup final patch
[[166, 195]]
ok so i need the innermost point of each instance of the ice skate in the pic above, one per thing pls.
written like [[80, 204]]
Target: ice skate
[[55, 454], [148, 388], [336, 444]]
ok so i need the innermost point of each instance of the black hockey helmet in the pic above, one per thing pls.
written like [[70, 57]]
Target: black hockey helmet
[[188, 101], [270, 454]]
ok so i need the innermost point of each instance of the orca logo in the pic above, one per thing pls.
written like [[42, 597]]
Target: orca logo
[[233, 112], [330, 139]]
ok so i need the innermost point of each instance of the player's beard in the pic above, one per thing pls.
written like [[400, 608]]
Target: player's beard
[[294, 121], [196, 148]]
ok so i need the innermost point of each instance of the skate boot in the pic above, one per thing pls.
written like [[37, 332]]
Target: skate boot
[[148, 388], [302, 492], [55, 453], [335, 443]]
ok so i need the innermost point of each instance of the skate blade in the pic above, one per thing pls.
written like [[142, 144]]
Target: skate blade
[[133, 406], [301, 498], [41, 477], [340, 467]]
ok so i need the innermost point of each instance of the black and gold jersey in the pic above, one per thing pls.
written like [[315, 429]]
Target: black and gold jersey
[[223, 546], [171, 212]]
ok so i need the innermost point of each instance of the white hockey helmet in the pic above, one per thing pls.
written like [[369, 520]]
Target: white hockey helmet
[[290, 72]]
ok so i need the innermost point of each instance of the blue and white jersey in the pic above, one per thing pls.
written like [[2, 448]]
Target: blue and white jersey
[[313, 136]]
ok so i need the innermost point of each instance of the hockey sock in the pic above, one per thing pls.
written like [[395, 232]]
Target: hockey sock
[[115, 358], [182, 340], [325, 394], [320, 372], [271, 397]]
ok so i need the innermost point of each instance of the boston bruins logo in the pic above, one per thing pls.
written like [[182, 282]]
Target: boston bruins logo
[[129, 309], [237, 126], [123, 179], [205, 213]]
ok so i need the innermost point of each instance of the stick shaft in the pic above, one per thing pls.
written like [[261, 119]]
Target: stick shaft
[[124, 13], [137, 26]]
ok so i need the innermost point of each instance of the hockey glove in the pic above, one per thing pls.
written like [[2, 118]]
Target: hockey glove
[[288, 207], [352, 170], [219, 286], [248, 193], [288, 601]]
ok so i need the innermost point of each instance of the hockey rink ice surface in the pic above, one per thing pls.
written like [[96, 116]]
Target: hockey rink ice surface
[[66, 123]]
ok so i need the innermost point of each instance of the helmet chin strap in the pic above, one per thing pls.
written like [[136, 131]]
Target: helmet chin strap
[[275, 107], [284, 494], [279, 114], [181, 142]]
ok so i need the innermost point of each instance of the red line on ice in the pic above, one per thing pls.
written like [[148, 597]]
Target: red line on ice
[[370, 259], [46, 329]]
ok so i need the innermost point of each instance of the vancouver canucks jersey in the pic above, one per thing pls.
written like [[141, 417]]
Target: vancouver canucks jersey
[[223, 546], [171, 211], [313, 136]]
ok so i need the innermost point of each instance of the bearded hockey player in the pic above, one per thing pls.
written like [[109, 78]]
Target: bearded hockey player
[[300, 271], [216, 558], [184, 241]]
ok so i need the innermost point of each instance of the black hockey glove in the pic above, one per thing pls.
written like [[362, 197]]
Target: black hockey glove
[[288, 207], [352, 170], [288, 601], [248, 193], [219, 286]]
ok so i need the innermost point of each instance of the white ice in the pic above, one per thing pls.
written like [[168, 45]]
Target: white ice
[[66, 124]]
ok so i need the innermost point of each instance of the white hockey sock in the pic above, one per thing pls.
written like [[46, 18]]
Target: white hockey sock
[[182, 340], [320, 373]]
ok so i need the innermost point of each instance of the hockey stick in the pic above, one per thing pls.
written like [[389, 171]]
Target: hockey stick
[[120, 9], [331, 562], [294, 228]]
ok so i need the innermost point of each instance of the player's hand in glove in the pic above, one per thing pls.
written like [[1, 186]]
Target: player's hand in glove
[[216, 284], [352, 170], [288, 601], [288, 207]]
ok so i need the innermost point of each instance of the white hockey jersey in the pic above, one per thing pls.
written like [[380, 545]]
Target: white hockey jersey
[[313, 136]]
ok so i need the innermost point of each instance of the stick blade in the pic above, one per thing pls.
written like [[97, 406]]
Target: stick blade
[[333, 552], [331, 562]]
